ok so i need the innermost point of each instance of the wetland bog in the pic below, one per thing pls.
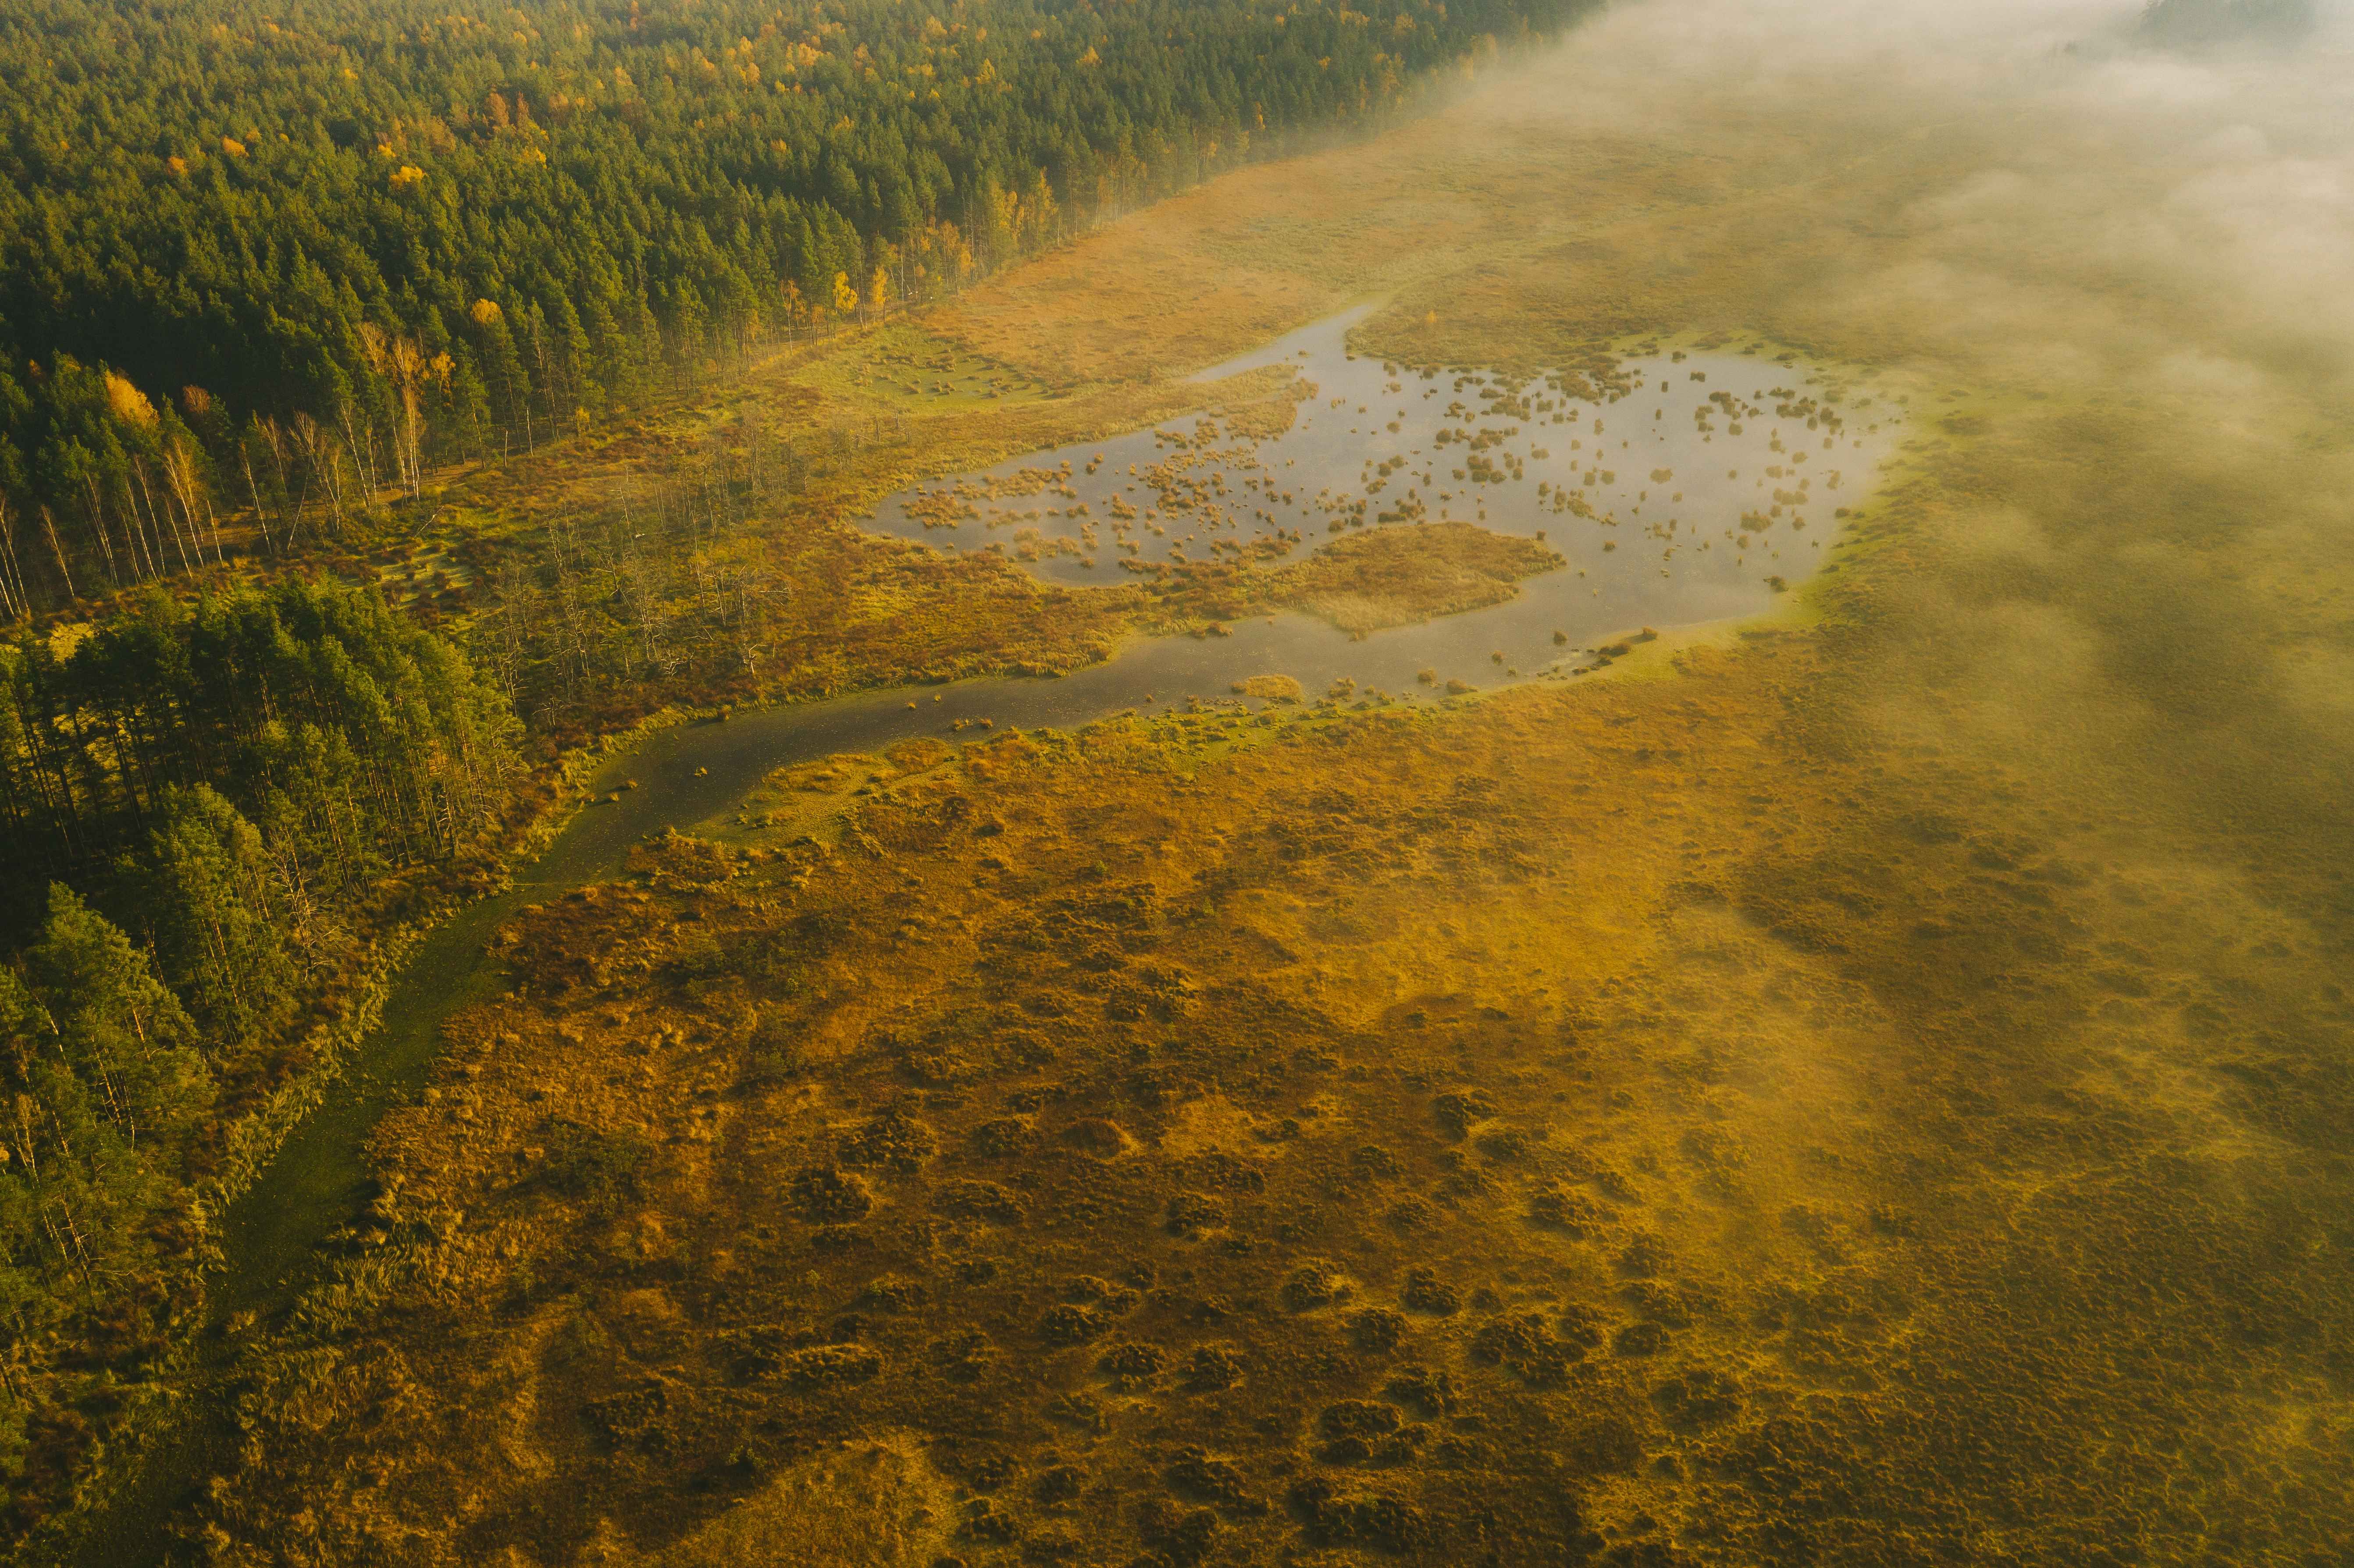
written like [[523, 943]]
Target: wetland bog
[[1670, 487], [1874, 1089]]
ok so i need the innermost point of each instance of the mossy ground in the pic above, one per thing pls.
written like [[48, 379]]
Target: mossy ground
[[1392, 576], [1613, 1144], [1876, 1096]]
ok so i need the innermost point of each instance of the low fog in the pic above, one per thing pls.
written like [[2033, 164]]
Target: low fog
[[2120, 277], [2145, 255]]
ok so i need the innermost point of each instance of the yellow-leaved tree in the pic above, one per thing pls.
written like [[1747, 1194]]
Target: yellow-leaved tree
[[127, 403], [402, 363]]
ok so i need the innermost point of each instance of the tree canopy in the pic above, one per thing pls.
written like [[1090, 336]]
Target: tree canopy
[[397, 231]]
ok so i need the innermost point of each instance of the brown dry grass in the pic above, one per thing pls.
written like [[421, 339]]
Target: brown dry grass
[[1394, 576], [1271, 688], [1875, 1096], [1629, 993]]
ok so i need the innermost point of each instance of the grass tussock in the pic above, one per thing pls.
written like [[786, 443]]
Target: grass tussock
[[1394, 576]]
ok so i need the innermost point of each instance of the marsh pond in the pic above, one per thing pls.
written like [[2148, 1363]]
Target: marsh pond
[[1681, 486]]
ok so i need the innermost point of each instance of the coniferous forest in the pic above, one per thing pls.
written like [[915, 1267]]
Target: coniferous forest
[[324, 246], [209, 808], [262, 269]]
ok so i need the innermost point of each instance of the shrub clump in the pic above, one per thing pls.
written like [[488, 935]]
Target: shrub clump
[[826, 1195], [1191, 1213], [1198, 1475], [1642, 1338], [1428, 1394], [1382, 1521], [1177, 1535], [1070, 1323], [1455, 1113], [1377, 1331], [1505, 1145], [985, 1200], [772, 1053], [1367, 1431], [1312, 1285], [1525, 1346], [1002, 1139], [894, 1296], [830, 1366], [1213, 1369], [1696, 1397], [1572, 1213], [1360, 1418], [891, 1141], [1411, 1214], [638, 1417], [1426, 1292], [1131, 1365], [1104, 1293]]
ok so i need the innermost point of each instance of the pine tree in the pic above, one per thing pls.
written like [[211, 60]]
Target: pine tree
[[215, 933], [122, 1035]]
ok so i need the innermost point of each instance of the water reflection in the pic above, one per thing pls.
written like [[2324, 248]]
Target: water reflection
[[1683, 487]]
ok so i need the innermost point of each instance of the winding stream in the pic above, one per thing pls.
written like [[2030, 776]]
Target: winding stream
[[1635, 557]]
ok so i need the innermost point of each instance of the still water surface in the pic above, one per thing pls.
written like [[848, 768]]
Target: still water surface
[[1644, 486]]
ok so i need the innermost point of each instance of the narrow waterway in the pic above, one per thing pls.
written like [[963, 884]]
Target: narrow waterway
[[272, 1239]]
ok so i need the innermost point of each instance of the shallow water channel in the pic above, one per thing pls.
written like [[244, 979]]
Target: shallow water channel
[[1654, 551]]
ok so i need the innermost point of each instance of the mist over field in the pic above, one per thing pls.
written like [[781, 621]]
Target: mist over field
[[2145, 255]]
